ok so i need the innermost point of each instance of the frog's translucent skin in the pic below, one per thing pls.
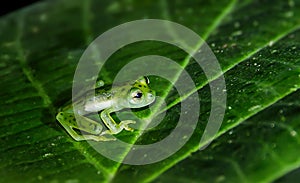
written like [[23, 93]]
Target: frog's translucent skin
[[136, 94]]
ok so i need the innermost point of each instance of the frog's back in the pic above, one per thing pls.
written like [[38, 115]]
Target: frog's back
[[98, 102]]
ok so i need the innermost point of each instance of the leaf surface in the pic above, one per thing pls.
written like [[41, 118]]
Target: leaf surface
[[257, 48]]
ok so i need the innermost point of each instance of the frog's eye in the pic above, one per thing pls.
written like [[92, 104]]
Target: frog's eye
[[136, 96]]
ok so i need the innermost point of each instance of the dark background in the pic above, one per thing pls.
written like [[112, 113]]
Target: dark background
[[12, 5]]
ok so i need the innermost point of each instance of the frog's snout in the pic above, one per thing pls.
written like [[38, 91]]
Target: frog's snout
[[151, 96]]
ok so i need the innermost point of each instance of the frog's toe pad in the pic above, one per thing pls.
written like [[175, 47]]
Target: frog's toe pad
[[128, 129], [60, 116], [124, 124], [127, 122]]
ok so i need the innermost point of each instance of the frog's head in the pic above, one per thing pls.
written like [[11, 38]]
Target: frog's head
[[140, 94]]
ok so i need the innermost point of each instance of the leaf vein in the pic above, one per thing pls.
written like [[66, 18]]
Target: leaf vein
[[27, 70]]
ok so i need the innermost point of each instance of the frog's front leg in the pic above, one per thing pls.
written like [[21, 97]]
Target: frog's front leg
[[68, 121], [113, 127]]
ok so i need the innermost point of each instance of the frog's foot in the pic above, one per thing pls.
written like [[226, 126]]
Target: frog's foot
[[124, 125], [120, 127], [82, 123], [87, 125]]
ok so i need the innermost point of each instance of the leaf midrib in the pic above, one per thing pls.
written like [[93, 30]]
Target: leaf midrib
[[209, 31], [175, 102], [26, 69]]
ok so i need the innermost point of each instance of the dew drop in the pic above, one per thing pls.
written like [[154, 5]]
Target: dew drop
[[233, 44], [289, 14], [224, 46], [8, 44], [292, 36], [293, 133], [255, 23], [115, 7], [72, 181], [189, 10], [43, 17], [236, 24], [291, 3], [220, 178], [247, 133], [5, 57], [254, 108], [237, 33], [35, 29], [47, 155]]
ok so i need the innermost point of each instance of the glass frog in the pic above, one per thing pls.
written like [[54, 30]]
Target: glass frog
[[134, 94]]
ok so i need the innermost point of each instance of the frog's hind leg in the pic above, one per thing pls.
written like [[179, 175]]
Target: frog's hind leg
[[68, 121]]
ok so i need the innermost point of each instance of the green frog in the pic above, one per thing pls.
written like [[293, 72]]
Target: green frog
[[134, 94]]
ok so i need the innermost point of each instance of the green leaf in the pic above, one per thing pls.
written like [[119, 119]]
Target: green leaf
[[261, 149], [251, 86], [256, 43]]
